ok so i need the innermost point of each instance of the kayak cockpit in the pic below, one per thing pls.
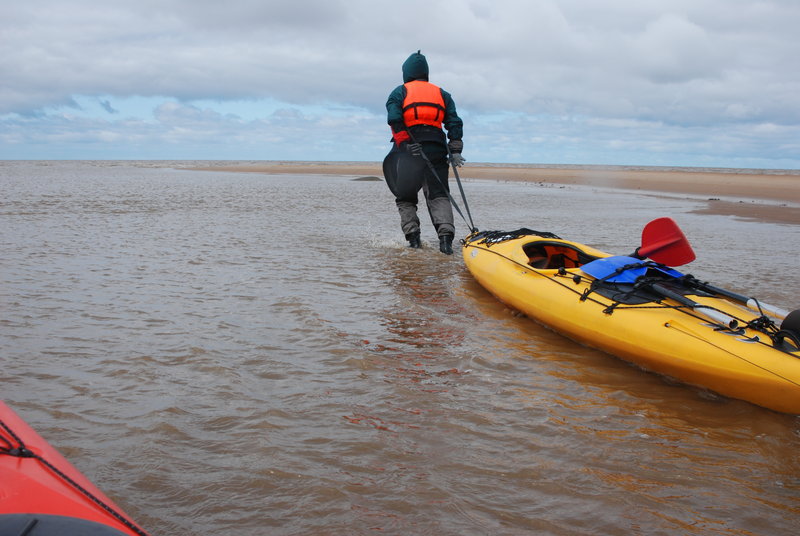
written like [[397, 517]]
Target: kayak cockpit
[[552, 255]]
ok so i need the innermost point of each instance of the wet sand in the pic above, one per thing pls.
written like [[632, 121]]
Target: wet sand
[[770, 196]]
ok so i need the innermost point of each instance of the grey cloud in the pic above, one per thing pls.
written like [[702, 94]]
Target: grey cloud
[[516, 55], [678, 63], [106, 104]]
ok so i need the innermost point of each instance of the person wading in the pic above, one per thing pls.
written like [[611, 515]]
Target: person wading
[[417, 111]]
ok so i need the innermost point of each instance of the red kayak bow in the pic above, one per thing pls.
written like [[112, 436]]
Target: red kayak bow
[[42, 494]]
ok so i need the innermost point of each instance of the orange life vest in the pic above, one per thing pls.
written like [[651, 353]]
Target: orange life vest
[[423, 105]]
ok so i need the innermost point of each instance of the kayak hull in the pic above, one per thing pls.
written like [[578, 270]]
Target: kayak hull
[[661, 337], [33, 489]]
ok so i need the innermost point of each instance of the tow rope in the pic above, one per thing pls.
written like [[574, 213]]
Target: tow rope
[[469, 223]]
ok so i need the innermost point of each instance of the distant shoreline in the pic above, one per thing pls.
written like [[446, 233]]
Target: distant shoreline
[[761, 195]]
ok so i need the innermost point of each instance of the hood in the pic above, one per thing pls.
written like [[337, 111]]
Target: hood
[[415, 68]]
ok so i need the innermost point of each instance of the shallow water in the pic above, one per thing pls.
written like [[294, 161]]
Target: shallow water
[[250, 354]]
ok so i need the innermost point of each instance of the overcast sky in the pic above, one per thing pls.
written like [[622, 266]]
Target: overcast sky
[[639, 82]]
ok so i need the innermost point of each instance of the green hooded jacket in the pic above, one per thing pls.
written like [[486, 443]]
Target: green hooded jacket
[[416, 68]]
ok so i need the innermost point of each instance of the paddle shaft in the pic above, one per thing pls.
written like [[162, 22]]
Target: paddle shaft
[[460, 188], [716, 316], [751, 303], [664, 242]]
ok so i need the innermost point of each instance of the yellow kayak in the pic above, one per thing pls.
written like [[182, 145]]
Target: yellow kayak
[[644, 312]]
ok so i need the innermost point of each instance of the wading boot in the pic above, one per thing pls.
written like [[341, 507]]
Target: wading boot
[[446, 244], [413, 240]]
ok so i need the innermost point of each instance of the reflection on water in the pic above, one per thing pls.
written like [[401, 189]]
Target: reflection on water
[[252, 354]]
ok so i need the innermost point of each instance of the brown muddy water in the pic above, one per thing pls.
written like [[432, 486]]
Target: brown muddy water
[[249, 354]]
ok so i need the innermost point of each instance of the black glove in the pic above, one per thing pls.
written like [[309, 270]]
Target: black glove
[[455, 147], [414, 148], [457, 159]]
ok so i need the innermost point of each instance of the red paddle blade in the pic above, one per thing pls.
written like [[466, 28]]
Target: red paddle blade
[[664, 242]]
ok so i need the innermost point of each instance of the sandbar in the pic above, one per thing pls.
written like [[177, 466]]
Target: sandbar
[[760, 195]]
